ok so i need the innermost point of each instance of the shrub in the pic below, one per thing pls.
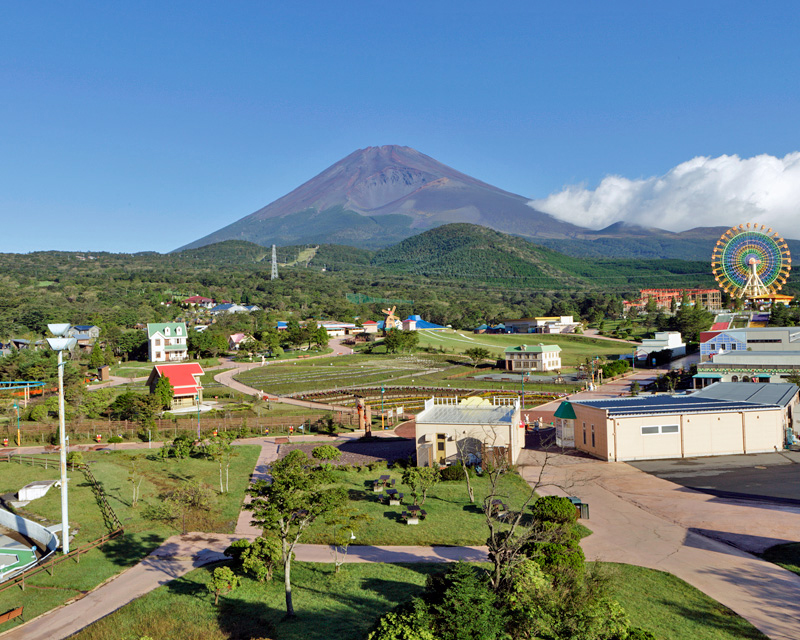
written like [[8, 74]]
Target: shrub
[[554, 509], [115, 439], [560, 561], [326, 452], [453, 472], [74, 457], [635, 633]]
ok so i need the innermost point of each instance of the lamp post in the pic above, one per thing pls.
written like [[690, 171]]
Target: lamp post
[[61, 343], [382, 425], [197, 398], [19, 438]]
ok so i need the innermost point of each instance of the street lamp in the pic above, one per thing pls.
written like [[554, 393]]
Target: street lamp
[[19, 438], [197, 398], [61, 343]]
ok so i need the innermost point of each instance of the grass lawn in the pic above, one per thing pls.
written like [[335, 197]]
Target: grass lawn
[[451, 519], [345, 606], [574, 348], [141, 535], [673, 609]]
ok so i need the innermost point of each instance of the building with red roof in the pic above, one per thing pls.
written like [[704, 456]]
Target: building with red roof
[[185, 380]]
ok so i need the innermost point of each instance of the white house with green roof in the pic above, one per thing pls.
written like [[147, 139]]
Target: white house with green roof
[[167, 342], [538, 357]]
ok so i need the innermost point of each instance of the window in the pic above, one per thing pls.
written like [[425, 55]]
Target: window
[[592, 435], [158, 342], [665, 428], [584, 433], [440, 438], [179, 330], [166, 331]]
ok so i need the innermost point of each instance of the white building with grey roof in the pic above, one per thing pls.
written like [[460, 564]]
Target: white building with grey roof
[[469, 429]]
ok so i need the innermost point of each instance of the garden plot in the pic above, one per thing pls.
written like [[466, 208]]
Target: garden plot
[[353, 372]]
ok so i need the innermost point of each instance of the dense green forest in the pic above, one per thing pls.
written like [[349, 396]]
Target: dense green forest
[[461, 275]]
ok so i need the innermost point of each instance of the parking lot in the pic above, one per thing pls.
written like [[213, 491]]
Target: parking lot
[[773, 477]]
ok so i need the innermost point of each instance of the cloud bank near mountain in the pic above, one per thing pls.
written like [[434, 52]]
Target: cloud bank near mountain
[[701, 192]]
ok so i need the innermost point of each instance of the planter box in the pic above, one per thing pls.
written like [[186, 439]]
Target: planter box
[[394, 503], [412, 521]]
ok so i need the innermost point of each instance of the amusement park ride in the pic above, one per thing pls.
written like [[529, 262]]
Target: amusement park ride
[[753, 263]]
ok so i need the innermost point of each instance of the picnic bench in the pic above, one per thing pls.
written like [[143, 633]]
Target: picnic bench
[[393, 497], [381, 483], [413, 515], [10, 615]]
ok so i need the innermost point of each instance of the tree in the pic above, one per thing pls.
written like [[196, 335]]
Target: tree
[[257, 558], [222, 579], [420, 480], [164, 392], [477, 355], [96, 358], [177, 504], [287, 505], [346, 523]]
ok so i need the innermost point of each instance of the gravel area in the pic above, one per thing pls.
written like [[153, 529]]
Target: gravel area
[[361, 452]]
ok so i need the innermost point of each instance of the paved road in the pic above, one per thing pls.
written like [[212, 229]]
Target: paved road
[[639, 519]]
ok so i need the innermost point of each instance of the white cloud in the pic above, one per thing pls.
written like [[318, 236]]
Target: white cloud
[[702, 192]]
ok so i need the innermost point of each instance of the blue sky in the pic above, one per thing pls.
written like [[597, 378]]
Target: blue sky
[[143, 126]]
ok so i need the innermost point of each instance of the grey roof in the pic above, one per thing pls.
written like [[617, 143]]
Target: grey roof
[[764, 393], [755, 358], [654, 405], [456, 414]]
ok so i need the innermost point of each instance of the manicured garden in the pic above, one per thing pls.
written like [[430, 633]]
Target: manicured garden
[[447, 503]]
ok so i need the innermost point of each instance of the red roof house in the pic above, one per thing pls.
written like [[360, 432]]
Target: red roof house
[[185, 380]]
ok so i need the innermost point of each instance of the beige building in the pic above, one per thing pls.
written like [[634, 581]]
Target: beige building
[[540, 357], [449, 429], [729, 418]]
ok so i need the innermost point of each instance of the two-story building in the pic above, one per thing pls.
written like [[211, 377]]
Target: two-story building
[[539, 357], [85, 334], [166, 342]]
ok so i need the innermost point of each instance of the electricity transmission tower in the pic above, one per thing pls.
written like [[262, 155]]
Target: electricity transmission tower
[[274, 264]]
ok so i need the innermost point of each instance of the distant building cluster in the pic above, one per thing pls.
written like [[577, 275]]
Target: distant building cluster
[[664, 299]]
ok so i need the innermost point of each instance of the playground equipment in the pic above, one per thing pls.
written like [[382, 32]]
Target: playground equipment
[[749, 262]]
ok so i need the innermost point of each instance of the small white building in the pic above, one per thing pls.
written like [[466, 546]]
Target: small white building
[[544, 324], [449, 429], [663, 340]]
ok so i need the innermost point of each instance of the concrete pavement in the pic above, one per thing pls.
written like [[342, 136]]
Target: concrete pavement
[[642, 520]]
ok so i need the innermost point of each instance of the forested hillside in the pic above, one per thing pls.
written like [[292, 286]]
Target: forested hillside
[[461, 275]]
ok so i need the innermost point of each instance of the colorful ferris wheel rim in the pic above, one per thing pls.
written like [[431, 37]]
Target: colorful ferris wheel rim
[[741, 246]]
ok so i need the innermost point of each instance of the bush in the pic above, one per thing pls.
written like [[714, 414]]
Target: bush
[[326, 452], [74, 457], [115, 440], [560, 561], [453, 473], [554, 509], [635, 633]]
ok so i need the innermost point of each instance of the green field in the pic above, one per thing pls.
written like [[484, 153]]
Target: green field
[[341, 372], [141, 535], [345, 606], [575, 349]]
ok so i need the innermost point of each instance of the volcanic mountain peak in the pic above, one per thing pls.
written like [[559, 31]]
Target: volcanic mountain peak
[[380, 195]]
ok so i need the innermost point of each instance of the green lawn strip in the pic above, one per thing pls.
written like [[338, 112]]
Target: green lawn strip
[[672, 608], [345, 606], [451, 519], [785, 555], [575, 348], [330, 606]]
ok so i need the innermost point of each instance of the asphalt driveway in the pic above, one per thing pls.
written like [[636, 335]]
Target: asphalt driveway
[[765, 477]]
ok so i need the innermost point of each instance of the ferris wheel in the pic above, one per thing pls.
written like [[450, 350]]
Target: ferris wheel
[[751, 262]]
